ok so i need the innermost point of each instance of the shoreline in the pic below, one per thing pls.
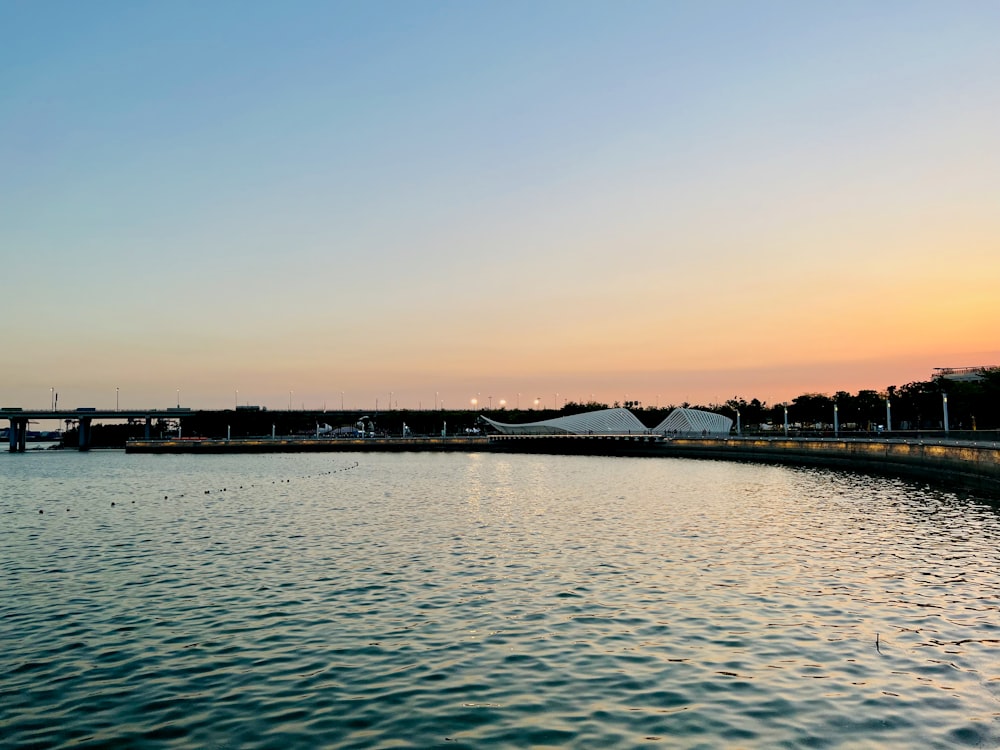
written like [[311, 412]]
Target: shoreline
[[968, 465]]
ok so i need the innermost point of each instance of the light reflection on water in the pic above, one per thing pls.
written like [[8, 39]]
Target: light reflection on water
[[423, 600]]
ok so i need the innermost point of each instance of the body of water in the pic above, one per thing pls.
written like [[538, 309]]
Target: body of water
[[478, 600]]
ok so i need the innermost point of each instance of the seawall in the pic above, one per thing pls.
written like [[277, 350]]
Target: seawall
[[967, 464], [959, 463]]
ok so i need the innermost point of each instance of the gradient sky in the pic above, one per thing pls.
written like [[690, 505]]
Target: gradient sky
[[662, 201]]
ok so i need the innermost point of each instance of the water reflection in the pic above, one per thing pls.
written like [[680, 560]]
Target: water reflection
[[477, 600]]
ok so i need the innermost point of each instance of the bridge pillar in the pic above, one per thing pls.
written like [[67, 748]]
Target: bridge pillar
[[18, 435], [84, 433]]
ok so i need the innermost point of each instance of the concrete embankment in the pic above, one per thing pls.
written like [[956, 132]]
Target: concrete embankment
[[959, 463], [966, 464]]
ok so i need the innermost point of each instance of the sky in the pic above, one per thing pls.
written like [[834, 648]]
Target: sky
[[421, 203]]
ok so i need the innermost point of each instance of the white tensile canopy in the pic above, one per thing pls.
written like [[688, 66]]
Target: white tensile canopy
[[620, 422]]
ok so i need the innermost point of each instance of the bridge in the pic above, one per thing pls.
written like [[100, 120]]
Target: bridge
[[19, 419]]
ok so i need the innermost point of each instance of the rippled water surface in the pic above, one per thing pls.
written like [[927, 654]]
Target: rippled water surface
[[423, 600]]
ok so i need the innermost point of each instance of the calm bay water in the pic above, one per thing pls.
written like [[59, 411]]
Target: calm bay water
[[469, 601]]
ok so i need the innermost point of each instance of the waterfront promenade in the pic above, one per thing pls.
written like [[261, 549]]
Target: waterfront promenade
[[960, 462]]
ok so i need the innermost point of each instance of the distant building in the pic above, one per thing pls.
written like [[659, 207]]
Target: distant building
[[967, 374]]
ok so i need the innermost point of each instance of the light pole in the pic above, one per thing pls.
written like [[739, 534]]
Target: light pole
[[435, 400], [116, 399], [52, 398], [786, 419], [888, 415], [836, 420], [390, 400], [739, 426], [178, 398], [944, 404], [491, 402]]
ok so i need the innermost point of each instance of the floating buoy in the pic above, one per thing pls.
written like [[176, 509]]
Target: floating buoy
[[40, 510]]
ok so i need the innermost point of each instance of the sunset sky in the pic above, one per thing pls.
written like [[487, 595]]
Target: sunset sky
[[660, 201]]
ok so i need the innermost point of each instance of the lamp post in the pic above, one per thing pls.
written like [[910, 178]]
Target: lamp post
[[888, 415], [739, 425], [836, 420], [116, 399], [390, 400], [786, 419], [491, 402], [178, 398], [944, 405]]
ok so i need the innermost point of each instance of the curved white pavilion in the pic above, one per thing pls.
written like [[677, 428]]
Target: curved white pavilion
[[694, 422], [620, 422], [603, 422]]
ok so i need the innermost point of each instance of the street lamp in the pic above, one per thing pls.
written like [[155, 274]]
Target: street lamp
[[786, 419], [116, 399], [944, 404], [178, 398], [888, 415], [836, 420], [52, 398]]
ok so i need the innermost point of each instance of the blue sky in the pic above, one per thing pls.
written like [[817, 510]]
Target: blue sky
[[670, 199]]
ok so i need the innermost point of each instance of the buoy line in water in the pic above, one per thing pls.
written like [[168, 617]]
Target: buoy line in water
[[355, 465]]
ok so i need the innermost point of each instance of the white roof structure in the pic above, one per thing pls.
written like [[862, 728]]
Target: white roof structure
[[620, 422], [694, 422], [603, 422]]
